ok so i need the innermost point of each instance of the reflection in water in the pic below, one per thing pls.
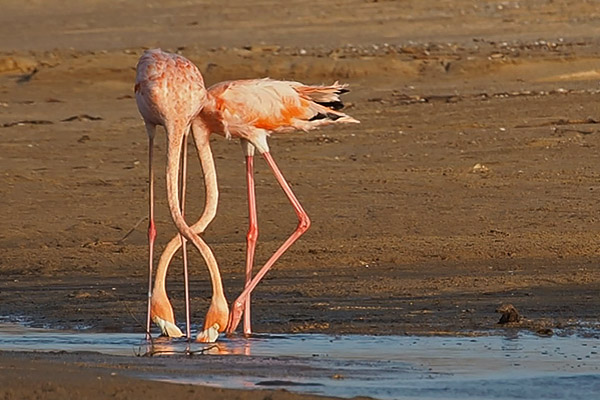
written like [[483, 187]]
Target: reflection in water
[[385, 367], [164, 346]]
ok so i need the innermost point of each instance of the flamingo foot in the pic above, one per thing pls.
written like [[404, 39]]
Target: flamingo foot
[[209, 335], [167, 328]]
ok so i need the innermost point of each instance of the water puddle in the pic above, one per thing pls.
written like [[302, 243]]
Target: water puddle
[[384, 367]]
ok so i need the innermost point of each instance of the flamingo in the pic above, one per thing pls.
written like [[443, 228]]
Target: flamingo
[[251, 110], [170, 92]]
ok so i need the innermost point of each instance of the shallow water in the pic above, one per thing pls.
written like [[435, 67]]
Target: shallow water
[[385, 367]]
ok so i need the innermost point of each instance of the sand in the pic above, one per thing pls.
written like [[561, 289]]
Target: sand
[[470, 182]]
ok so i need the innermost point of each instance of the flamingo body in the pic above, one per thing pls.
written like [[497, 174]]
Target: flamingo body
[[250, 109], [170, 91]]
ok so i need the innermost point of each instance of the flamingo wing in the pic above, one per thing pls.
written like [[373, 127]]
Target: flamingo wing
[[274, 106]]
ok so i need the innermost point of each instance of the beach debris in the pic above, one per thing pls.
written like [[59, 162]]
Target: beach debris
[[17, 63], [27, 77], [561, 122], [546, 332], [82, 117], [479, 168], [509, 314], [27, 122]]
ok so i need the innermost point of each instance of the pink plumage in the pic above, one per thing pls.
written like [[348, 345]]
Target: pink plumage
[[249, 109], [170, 92], [168, 87]]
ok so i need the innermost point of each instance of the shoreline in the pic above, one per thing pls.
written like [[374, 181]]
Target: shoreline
[[470, 183]]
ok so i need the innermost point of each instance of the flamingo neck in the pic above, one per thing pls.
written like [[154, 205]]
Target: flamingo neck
[[176, 138]]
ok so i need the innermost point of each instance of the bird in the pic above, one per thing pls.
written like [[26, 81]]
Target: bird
[[170, 91], [161, 310], [251, 110]]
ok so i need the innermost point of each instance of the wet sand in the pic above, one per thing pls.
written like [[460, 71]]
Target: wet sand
[[471, 181], [93, 376]]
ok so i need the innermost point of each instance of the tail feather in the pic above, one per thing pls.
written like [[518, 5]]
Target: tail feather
[[328, 115], [324, 94], [334, 105], [327, 103]]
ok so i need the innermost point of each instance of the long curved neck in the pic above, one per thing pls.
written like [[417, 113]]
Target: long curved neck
[[175, 135], [201, 139]]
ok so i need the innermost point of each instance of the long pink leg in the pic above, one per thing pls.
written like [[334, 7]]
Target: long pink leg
[[186, 281], [303, 225], [151, 129], [251, 237]]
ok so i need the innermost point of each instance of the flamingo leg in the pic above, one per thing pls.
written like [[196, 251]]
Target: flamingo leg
[[303, 225], [252, 235], [186, 282], [150, 129]]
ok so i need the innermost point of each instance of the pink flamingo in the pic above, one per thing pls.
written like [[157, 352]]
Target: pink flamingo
[[251, 110], [170, 92]]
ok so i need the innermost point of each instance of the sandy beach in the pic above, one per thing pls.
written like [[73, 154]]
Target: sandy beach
[[471, 181]]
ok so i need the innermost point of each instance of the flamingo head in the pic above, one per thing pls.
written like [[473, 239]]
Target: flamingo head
[[162, 315], [216, 320]]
